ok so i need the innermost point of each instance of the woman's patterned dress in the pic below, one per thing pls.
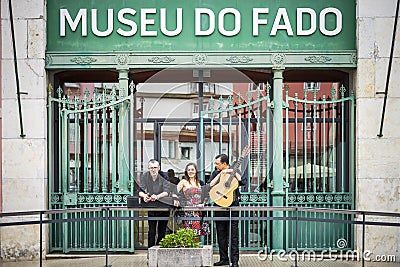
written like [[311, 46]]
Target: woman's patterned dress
[[192, 198]]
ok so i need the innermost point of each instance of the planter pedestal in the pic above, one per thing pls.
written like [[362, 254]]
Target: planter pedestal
[[172, 257]]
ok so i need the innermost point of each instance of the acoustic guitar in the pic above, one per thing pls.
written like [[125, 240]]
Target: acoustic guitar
[[222, 192]]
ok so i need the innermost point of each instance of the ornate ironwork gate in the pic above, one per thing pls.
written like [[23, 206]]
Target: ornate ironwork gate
[[98, 141], [228, 126], [319, 164], [89, 163], [317, 170]]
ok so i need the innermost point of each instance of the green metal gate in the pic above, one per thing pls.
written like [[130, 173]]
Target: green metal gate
[[318, 166], [97, 137], [89, 163], [227, 127]]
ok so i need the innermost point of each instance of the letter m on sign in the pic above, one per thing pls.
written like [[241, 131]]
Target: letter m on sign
[[65, 16]]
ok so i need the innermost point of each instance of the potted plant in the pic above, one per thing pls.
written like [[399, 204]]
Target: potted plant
[[180, 249]]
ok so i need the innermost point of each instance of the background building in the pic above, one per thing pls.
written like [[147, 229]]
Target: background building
[[29, 65]]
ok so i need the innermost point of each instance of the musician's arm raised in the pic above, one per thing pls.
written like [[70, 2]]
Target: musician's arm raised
[[229, 171]]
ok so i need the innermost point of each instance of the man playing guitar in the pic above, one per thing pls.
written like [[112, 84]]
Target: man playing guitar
[[221, 168]]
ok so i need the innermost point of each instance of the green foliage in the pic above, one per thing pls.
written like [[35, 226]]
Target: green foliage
[[183, 238]]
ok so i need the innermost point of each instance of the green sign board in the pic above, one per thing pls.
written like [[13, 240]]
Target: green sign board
[[203, 25]]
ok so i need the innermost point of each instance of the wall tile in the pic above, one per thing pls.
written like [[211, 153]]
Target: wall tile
[[24, 194], [368, 115], [378, 158], [373, 8], [379, 194], [24, 158], [380, 83], [20, 29], [366, 38], [384, 35], [31, 75], [34, 118], [28, 9], [36, 38], [365, 78]]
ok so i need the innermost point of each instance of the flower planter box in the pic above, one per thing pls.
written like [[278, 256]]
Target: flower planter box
[[172, 257]]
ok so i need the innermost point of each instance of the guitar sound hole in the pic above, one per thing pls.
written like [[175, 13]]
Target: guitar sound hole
[[222, 195]]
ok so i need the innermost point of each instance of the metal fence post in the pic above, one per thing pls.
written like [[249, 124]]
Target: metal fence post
[[230, 233], [297, 236], [41, 239], [363, 241], [106, 237]]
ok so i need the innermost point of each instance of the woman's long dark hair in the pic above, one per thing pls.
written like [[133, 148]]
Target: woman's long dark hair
[[196, 176]]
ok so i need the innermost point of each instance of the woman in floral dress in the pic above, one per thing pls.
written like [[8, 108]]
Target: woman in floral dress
[[193, 194]]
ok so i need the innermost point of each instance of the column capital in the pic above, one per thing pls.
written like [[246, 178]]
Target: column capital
[[123, 72], [277, 68], [123, 77]]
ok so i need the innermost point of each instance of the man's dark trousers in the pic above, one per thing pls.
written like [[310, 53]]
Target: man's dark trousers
[[155, 228], [223, 236]]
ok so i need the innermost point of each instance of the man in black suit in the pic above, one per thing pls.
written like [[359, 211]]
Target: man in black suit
[[153, 186], [222, 167]]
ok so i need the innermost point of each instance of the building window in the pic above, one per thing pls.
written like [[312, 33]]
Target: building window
[[311, 86], [185, 152], [208, 88], [171, 149], [168, 149], [196, 111]]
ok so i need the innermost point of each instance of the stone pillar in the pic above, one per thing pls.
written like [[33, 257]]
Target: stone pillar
[[123, 149], [123, 81], [278, 186], [24, 163]]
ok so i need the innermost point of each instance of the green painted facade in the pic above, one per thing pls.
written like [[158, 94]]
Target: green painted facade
[[142, 25], [127, 35], [239, 37]]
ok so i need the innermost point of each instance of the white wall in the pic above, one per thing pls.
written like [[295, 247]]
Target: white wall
[[378, 159], [24, 159]]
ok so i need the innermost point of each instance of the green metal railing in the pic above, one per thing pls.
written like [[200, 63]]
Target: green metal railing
[[363, 222]]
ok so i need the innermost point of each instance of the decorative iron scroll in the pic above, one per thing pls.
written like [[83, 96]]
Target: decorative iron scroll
[[200, 59], [122, 59], [253, 198], [239, 59], [318, 59], [278, 59], [92, 198], [342, 198], [161, 59], [353, 58], [83, 60]]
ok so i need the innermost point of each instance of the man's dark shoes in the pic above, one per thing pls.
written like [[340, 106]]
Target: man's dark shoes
[[235, 264], [221, 263]]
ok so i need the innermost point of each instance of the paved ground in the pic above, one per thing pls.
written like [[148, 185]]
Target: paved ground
[[139, 259]]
